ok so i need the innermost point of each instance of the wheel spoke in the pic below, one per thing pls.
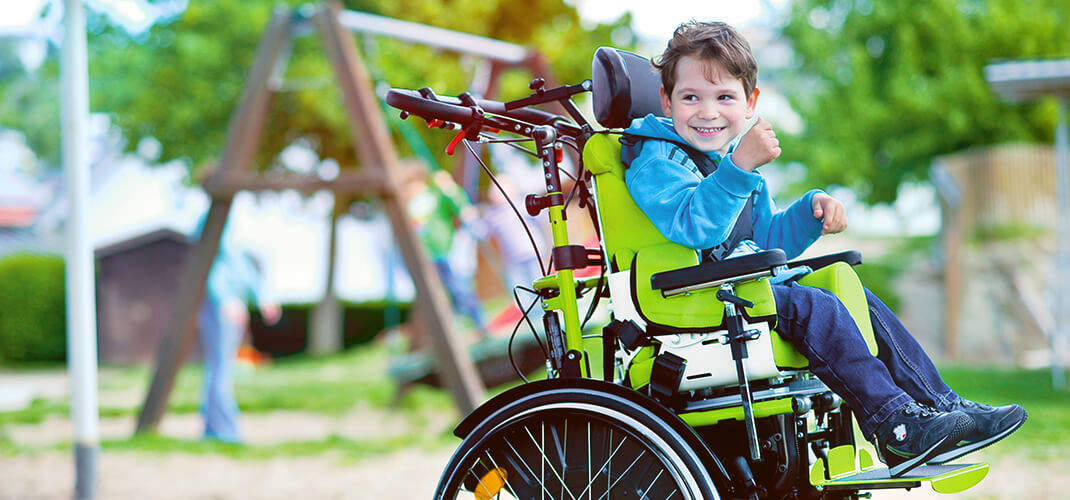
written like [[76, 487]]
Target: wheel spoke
[[605, 465], [622, 474], [651, 485], [505, 475], [546, 460]]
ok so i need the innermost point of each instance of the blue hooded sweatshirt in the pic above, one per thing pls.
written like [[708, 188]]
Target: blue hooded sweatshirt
[[700, 212]]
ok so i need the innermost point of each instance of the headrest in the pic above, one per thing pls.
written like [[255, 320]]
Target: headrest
[[625, 87]]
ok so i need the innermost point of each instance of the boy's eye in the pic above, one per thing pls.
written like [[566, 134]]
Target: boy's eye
[[726, 97], [689, 97]]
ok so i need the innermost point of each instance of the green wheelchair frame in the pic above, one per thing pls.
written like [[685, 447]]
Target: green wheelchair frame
[[699, 397]]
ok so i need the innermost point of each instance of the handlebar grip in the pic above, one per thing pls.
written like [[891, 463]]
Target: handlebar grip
[[414, 103], [450, 109]]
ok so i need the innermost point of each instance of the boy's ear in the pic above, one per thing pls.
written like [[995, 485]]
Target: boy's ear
[[752, 101], [666, 105]]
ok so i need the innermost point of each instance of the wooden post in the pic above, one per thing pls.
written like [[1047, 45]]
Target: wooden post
[[243, 136], [374, 147], [325, 325]]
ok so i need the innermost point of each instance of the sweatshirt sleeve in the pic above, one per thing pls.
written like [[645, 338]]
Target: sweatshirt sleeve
[[689, 210], [792, 230]]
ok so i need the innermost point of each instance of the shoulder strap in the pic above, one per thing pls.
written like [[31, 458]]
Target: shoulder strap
[[743, 229], [705, 164]]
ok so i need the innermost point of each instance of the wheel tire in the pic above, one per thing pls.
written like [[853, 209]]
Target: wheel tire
[[575, 443]]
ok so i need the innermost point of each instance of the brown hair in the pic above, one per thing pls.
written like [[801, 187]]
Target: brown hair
[[709, 41]]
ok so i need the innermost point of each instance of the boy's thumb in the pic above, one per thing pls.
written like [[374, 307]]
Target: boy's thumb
[[818, 213]]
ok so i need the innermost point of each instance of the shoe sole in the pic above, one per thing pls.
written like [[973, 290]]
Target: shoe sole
[[941, 446], [972, 447]]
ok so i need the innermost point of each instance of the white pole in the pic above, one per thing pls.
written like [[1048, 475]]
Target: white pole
[[81, 314], [1060, 336]]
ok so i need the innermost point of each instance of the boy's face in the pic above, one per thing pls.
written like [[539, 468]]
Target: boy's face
[[707, 113]]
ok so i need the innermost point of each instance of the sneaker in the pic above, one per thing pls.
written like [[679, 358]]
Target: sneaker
[[914, 434], [991, 423]]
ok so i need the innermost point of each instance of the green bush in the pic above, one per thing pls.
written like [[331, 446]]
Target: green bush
[[33, 315]]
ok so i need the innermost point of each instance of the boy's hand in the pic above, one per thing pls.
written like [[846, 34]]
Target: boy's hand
[[757, 147], [831, 210]]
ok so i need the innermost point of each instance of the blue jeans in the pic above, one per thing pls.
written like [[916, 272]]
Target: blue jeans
[[463, 295], [819, 326], [219, 342]]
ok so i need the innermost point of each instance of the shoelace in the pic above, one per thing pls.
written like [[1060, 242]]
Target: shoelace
[[965, 403], [921, 410]]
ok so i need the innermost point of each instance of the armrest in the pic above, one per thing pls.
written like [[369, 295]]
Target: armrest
[[851, 257], [722, 270]]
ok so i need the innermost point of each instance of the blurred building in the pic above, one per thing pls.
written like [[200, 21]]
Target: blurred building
[[998, 245]]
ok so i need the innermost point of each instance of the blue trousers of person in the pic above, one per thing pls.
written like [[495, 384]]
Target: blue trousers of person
[[463, 295], [818, 324], [219, 343]]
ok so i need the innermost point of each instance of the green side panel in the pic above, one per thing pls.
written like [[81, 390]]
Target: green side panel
[[642, 365], [761, 409], [840, 279], [700, 310], [960, 480], [841, 461], [817, 472], [626, 229], [865, 459]]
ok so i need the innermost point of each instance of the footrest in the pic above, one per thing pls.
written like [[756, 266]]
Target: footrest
[[845, 473]]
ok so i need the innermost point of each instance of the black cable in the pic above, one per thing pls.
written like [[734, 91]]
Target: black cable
[[597, 296], [542, 267], [524, 318]]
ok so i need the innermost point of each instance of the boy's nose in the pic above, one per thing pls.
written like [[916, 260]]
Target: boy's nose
[[708, 113]]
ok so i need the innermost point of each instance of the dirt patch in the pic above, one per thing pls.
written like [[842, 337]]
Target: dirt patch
[[405, 474], [408, 473]]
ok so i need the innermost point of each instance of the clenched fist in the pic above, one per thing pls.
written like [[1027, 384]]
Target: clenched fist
[[831, 213], [757, 147]]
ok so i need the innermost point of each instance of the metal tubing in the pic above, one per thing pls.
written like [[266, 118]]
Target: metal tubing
[[1060, 336], [81, 313]]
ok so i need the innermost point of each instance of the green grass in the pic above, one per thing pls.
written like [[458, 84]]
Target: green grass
[[1046, 434], [358, 378], [348, 449]]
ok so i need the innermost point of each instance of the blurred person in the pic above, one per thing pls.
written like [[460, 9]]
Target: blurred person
[[234, 284], [437, 207], [520, 260]]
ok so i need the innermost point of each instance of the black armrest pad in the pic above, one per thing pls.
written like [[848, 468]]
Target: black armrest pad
[[851, 257], [719, 270]]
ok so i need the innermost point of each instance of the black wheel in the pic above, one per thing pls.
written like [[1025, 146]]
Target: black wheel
[[575, 444]]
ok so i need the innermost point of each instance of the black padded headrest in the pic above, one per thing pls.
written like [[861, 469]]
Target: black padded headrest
[[625, 87]]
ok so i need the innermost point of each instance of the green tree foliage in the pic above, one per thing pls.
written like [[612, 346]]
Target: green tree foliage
[[883, 87], [29, 103], [181, 82], [33, 325]]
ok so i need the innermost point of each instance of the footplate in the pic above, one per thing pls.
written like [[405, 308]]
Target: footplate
[[845, 473]]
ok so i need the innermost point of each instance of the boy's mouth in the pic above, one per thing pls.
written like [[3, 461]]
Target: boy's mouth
[[708, 131]]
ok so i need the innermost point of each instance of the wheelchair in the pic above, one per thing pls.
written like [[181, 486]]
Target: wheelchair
[[698, 396]]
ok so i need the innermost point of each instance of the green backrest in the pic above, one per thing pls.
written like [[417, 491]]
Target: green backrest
[[626, 231], [625, 227]]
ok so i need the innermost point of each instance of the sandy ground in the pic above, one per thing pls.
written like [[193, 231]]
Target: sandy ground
[[401, 475], [404, 474]]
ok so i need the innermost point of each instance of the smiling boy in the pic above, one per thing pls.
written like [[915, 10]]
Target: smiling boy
[[695, 176]]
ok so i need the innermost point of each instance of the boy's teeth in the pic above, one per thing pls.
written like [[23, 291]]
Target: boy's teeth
[[701, 129]]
